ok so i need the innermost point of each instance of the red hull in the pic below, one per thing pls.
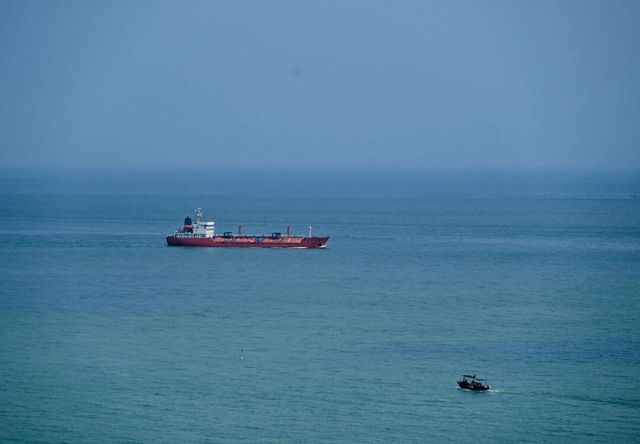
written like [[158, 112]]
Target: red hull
[[249, 242]]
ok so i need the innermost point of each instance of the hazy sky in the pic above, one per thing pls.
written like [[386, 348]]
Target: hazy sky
[[320, 84]]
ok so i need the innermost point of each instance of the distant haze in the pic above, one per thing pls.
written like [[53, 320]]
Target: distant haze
[[313, 85]]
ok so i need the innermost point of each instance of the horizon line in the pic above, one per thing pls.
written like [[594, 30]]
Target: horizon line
[[319, 170]]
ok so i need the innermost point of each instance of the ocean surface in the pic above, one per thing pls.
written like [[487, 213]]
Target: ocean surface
[[530, 280]]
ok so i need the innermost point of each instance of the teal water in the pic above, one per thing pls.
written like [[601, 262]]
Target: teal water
[[533, 281]]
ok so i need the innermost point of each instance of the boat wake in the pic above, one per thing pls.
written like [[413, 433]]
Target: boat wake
[[491, 390]]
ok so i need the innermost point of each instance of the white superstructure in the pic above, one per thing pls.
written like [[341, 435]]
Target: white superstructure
[[198, 228]]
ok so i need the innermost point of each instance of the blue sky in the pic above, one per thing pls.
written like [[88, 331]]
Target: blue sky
[[320, 85]]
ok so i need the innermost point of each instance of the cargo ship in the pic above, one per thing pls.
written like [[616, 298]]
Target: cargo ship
[[203, 234]]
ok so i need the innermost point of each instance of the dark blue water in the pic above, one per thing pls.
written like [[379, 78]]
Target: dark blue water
[[530, 280]]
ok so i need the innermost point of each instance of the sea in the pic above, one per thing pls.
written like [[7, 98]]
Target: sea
[[529, 279]]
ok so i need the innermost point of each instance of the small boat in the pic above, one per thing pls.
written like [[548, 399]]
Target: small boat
[[473, 383]]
